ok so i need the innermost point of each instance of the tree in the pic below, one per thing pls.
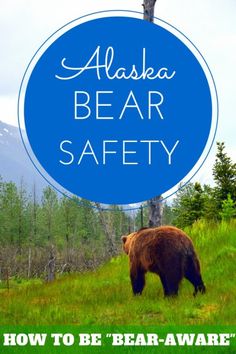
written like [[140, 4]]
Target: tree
[[32, 210], [224, 173], [167, 215], [148, 10], [188, 205], [120, 221], [1, 208], [228, 208], [49, 206], [21, 209], [155, 211], [108, 229], [10, 213], [69, 217], [211, 211], [141, 217], [154, 204]]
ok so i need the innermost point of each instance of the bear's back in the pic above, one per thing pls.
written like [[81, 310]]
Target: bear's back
[[159, 244], [162, 234]]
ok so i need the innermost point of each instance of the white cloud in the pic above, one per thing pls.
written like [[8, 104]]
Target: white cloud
[[8, 109], [211, 26], [26, 25]]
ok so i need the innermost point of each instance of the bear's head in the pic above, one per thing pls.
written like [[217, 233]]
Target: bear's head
[[127, 241]]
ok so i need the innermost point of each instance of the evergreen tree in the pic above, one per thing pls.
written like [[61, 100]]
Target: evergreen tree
[[49, 209], [188, 205], [68, 220], [21, 215], [1, 209], [168, 215], [211, 211], [10, 213], [228, 208], [120, 221], [87, 227], [224, 172]]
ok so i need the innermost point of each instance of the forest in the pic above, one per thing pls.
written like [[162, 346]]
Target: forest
[[58, 255], [52, 234], [195, 202]]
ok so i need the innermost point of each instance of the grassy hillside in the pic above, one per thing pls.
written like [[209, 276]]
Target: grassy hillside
[[104, 297]]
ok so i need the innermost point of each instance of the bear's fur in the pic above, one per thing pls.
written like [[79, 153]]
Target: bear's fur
[[166, 251]]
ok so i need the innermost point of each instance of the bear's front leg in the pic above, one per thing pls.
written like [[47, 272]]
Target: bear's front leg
[[137, 277]]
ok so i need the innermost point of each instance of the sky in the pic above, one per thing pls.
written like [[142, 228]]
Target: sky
[[210, 24]]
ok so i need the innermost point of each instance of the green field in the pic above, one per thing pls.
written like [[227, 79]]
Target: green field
[[104, 297]]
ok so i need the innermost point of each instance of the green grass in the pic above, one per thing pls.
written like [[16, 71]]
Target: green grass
[[104, 297]]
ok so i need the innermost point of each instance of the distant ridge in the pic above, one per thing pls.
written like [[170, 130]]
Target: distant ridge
[[15, 164]]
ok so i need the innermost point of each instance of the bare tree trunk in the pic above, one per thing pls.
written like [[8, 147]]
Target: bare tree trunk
[[51, 266], [155, 205], [155, 211], [148, 10]]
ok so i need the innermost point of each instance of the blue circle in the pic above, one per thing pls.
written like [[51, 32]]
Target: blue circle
[[181, 122]]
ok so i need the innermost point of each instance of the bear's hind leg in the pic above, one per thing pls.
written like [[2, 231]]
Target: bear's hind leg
[[137, 278], [193, 274], [170, 287]]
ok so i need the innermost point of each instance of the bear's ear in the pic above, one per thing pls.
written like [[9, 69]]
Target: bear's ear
[[124, 238]]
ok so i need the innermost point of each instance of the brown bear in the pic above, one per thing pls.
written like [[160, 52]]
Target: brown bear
[[166, 251]]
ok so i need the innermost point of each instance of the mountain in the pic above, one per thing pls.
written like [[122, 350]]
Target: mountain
[[15, 164]]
